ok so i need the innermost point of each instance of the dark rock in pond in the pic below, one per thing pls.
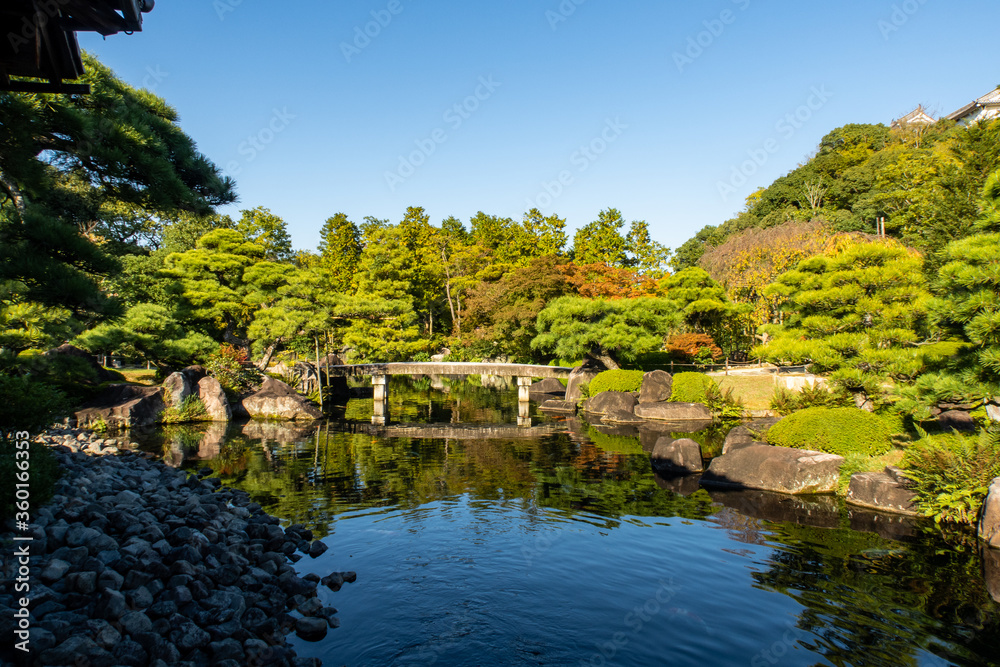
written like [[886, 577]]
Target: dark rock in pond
[[991, 572], [956, 419], [558, 407], [656, 387], [682, 485], [276, 400], [216, 403], [123, 406], [781, 469], [817, 511], [311, 629], [747, 434], [548, 386], [581, 375], [680, 457], [878, 490], [317, 548], [615, 416], [672, 412], [989, 524], [607, 401]]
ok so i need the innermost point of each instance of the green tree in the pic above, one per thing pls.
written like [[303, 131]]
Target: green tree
[[260, 226], [610, 332], [601, 241], [340, 250], [646, 255]]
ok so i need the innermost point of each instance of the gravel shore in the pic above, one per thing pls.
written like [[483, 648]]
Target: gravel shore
[[136, 563]]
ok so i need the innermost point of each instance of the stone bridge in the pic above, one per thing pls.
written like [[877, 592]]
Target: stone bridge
[[379, 374]]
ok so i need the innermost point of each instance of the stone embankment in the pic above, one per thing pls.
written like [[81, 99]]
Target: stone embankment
[[135, 563]]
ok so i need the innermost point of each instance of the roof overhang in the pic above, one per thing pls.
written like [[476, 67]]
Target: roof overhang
[[38, 39]]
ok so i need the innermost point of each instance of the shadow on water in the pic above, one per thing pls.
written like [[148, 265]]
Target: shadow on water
[[859, 587]]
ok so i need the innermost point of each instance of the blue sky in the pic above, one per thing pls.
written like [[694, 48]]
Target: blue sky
[[370, 106]]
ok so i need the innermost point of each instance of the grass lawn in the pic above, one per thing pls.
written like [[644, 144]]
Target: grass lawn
[[138, 375], [754, 390]]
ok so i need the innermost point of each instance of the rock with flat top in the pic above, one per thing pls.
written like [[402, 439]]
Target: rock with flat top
[[276, 400], [548, 386], [123, 406], [781, 469], [610, 401], [673, 412], [558, 407], [881, 491]]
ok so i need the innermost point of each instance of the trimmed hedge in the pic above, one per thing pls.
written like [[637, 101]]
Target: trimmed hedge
[[692, 388], [841, 431], [624, 381]]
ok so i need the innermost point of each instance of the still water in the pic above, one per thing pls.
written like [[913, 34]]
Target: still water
[[557, 545]]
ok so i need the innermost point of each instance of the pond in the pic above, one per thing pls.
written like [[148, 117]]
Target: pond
[[557, 545]]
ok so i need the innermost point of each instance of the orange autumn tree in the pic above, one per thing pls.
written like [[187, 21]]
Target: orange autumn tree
[[601, 281]]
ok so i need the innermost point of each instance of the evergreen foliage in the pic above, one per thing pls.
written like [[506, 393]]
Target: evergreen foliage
[[841, 431], [693, 388], [616, 380]]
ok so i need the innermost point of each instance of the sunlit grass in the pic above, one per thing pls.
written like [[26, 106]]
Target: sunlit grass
[[754, 390], [139, 375]]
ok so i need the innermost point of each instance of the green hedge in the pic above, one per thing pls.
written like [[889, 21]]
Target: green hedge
[[624, 381], [841, 431], [692, 388]]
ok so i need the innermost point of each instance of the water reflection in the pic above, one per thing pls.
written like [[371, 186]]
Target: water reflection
[[456, 484]]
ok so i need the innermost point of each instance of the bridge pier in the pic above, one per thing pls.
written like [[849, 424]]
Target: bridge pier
[[380, 394], [523, 401]]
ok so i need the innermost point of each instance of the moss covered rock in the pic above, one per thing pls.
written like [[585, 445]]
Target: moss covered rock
[[840, 431]]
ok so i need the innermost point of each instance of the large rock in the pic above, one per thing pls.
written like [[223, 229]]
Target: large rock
[[548, 386], [989, 525], [656, 387], [216, 403], [608, 401], [817, 511], [123, 406], [991, 572], [673, 412], [956, 419], [558, 407], [781, 469], [177, 387], [276, 400], [993, 412], [679, 457], [744, 435], [581, 375], [881, 491], [616, 416]]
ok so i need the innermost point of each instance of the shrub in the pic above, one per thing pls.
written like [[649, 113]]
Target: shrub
[[618, 380], [723, 403], [952, 474], [841, 431], [785, 402], [45, 471], [692, 388], [26, 405], [229, 366], [191, 410]]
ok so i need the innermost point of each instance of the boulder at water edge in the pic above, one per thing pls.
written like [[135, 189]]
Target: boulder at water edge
[[656, 387], [177, 387], [276, 400], [580, 376], [123, 406], [884, 491], [548, 386], [781, 469], [751, 433], [609, 401], [216, 403], [989, 525], [991, 572], [678, 457], [673, 412]]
